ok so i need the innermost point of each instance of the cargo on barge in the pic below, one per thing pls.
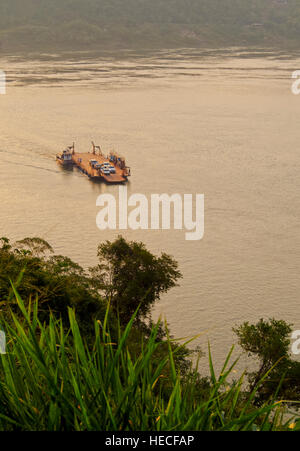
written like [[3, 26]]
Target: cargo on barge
[[98, 167]]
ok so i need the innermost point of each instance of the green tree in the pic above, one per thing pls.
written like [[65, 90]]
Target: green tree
[[58, 282], [37, 247], [269, 343], [130, 276]]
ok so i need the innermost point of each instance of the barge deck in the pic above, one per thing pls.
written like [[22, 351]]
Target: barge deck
[[82, 161]]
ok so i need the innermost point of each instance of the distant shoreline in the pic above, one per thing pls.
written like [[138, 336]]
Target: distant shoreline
[[154, 38], [119, 52]]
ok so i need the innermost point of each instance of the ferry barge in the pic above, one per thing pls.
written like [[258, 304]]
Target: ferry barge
[[110, 169]]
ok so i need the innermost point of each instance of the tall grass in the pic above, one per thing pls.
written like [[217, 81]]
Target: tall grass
[[51, 380]]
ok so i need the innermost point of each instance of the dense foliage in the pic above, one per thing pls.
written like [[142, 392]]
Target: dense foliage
[[144, 23], [56, 280], [132, 277], [269, 343], [52, 380], [127, 277], [84, 354]]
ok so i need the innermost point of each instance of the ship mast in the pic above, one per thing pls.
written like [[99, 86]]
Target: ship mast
[[96, 148]]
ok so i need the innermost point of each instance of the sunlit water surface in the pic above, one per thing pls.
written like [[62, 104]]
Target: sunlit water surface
[[220, 123]]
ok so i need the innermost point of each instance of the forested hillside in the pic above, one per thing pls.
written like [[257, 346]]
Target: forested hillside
[[80, 24]]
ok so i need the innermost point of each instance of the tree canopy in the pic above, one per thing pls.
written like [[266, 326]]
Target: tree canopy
[[133, 278], [269, 343], [128, 276]]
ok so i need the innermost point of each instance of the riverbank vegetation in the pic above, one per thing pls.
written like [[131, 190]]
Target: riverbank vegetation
[[131, 24], [83, 352]]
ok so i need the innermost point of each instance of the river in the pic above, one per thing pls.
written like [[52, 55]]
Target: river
[[221, 123]]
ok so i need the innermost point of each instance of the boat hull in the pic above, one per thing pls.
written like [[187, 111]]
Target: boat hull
[[64, 163]]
